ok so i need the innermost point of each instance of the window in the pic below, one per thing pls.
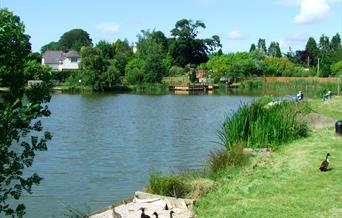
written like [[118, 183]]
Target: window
[[73, 59]]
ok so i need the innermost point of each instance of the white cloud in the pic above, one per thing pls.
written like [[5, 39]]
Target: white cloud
[[298, 2], [236, 35], [313, 11], [108, 28]]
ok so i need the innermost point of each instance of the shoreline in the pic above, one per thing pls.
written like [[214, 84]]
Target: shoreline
[[315, 120]]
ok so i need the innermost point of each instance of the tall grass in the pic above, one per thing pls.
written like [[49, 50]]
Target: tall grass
[[172, 185], [222, 159], [259, 126], [311, 88]]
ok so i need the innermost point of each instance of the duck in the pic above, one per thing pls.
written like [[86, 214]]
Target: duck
[[325, 164], [171, 213], [156, 214], [143, 215]]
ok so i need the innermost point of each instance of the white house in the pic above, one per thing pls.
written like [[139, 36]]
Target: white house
[[59, 60]]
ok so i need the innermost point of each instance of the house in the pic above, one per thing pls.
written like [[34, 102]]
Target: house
[[59, 60], [203, 77]]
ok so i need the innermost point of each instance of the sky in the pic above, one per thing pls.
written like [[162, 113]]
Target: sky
[[238, 23]]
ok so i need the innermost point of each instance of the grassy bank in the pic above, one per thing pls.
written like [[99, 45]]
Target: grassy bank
[[282, 183], [286, 183], [310, 88]]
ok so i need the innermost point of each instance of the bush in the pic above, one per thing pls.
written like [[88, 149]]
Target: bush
[[172, 186], [177, 71], [259, 126], [222, 159], [61, 76], [336, 68]]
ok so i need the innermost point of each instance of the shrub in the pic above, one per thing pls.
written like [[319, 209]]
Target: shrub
[[259, 126], [172, 186], [222, 159], [337, 68], [177, 71]]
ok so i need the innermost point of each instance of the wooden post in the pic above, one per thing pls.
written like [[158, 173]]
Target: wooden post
[[318, 68]]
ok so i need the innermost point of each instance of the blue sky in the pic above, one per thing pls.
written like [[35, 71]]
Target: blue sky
[[238, 23]]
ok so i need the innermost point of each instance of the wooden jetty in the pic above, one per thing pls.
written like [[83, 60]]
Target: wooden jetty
[[192, 87]]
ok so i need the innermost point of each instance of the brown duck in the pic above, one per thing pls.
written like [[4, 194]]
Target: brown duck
[[325, 164]]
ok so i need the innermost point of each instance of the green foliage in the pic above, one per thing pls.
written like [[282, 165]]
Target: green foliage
[[192, 76], [276, 66], [106, 48], [135, 71], [260, 126], [240, 64], [336, 69], [150, 63], [20, 112], [186, 48], [324, 44], [97, 71], [123, 54], [262, 45], [177, 71], [52, 46], [312, 51], [172, 186], [37, 71], [15, 47], [274, 50], [253, 48], [222, 159], [61, 76], [335, 43], [74, 40], [34, 56]]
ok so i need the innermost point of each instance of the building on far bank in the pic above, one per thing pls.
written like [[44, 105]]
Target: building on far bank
[[59, 60]]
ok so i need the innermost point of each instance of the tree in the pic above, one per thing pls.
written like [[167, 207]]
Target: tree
[[134, 71], [106, 48], [74, 40], [37, 71], [274, 50], [335, 43], [281, 67], [312, 51], [20, 112], [52, 46], [153, 55], [337, 69], [253, 48], [97, 71], [160, 38], [262, 45], [186, 48], [324, 44], [123, 53], [35, 56]]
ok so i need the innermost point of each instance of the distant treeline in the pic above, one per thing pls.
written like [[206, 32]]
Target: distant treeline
[[155, 56]]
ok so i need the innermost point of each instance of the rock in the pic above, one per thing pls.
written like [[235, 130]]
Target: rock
[[152, 203]]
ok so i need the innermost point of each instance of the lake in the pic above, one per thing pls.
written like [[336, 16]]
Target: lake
[[105, 146]]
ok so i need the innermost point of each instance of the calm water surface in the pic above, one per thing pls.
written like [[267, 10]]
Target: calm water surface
[[105, 146]]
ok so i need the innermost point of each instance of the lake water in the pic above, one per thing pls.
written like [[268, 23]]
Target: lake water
[[105, 146]]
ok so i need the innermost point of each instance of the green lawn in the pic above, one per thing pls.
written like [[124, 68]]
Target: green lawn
[[286, 184], [331, 108]]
